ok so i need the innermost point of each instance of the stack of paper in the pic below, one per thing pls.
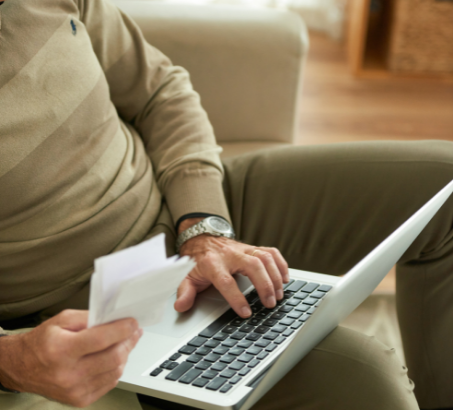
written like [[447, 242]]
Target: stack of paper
[[135, 282]]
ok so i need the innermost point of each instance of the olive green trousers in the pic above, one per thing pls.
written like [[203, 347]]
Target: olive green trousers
[[325, 207]]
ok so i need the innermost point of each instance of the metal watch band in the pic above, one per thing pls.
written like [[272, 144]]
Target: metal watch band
[[3, 388], [196, 230]]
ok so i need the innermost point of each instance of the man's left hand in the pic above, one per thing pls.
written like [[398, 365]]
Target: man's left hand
[[218, 259]]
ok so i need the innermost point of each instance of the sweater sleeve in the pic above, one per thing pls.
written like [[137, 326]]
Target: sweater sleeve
[[158, 100]]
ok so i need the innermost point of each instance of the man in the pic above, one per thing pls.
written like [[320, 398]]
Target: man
[[103, 143]]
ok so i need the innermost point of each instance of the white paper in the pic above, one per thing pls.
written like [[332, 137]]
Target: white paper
[[135, 282]]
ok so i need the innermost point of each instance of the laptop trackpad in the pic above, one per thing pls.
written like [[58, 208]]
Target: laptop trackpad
[[176, 324]]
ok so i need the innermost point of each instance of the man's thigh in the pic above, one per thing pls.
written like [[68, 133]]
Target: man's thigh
[[114, 400], [325, 207]]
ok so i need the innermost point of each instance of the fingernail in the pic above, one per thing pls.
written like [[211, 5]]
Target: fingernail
[[271, 301], [140, 332], [279, 294], [246, 311]]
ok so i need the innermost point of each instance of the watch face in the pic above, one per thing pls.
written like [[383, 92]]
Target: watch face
[[219, 224]]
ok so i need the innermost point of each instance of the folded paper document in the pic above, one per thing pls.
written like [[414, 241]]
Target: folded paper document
[[135, 282]]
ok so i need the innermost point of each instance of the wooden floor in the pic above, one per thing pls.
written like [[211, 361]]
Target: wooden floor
[[337, 107]]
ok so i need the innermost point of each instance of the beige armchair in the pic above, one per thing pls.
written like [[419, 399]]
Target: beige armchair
[[246, 63]]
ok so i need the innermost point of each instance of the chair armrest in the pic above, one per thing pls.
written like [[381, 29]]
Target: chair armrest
[[245, 63]]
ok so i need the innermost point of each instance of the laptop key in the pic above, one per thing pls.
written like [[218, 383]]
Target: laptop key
[[287, 322], [295, 286], [216, 384], [255, 309], [197, 341], [226, 388], [228, 358], [324, 288], [156, 372], [253, 336], [187, 349], [200, 382], [238, 335], [270, 336], [229, 329], [318, 295], [221, 336], [262, 355], [293, 302], [203, 351], [218, 367], [254, 321], [165, 364], [254, 363], [212, 343], [277, 315], [215, 326], [204, 365], [279, 328], [286, 309], [262, 315], [175, 356], [235, 379], [245, 343], [263, 343], [247, 328], [245, 357], [229, 343], [190, 376], [288, 332], [236, 366], [252, 296], [279, 340], [301, 295], [237, 351], [212, 357], [209, 374], [304, 318], [271, 348], [310, 287], [244, 371], [311, 310], [310, 301], [270, 322], [172, 365], [296, 325], [221, 350], [194, 358], [302, 308], [261, 329], [228, 374], [179, 371], [254, 350], [294, 315], [238, 322], [285, 285]]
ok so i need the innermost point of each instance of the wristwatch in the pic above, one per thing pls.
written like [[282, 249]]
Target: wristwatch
[[213, 225], [3, 388]]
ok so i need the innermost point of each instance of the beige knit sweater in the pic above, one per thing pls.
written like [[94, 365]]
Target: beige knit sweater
[[96, 128]]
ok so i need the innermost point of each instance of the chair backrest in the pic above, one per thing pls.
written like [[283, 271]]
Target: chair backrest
[[246, 63]]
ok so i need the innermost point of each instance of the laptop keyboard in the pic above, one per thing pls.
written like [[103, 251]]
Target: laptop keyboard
[[230, 347]]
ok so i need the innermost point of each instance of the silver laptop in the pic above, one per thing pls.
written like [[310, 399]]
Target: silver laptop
[[210, 358]]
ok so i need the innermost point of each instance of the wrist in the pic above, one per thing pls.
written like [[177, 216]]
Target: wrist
[[7, 383]]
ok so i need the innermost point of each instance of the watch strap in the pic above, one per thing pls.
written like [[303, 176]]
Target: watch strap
[[196, 230]]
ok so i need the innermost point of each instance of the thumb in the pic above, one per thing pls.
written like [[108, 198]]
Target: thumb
[[187, 293]]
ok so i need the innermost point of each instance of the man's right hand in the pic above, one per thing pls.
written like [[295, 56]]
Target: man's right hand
[[63, 360]]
